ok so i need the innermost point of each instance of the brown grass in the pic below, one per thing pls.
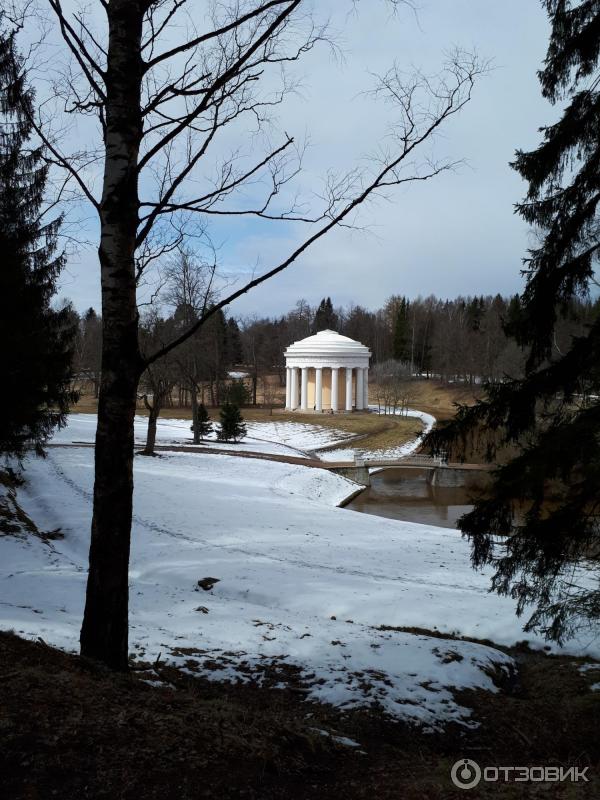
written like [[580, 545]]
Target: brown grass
[[428, 395], [388, 432], [438, 398], [72, 730]]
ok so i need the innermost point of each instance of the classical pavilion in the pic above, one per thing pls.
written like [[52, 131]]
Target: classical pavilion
[[327, 372]]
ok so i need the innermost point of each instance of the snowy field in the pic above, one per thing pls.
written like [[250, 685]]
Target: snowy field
[[296, 439], [280, 438], [301, 583]]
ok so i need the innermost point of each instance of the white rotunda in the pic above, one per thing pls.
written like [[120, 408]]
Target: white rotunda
[[327, 372]]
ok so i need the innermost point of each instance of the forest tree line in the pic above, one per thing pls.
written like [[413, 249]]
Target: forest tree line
[[461, 340]]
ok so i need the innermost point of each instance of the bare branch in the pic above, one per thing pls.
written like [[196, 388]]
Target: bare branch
[[164, 206], [61, 160], [220, 82], [174, 186], [456, 97], [236, 23], [79, 50]]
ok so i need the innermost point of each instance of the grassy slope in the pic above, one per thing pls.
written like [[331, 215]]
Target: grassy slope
[[73, 730], [439, 399]]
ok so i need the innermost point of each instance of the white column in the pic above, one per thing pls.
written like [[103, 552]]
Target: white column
[[304, 390], [360, 389], [348, 389], [335, 372], [294, 389], [366, 387], [319, 388], [288, 388]]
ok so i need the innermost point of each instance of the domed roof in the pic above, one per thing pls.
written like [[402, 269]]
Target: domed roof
[[328, 343]]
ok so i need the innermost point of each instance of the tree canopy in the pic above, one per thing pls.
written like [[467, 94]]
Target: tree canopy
[[325, 317]]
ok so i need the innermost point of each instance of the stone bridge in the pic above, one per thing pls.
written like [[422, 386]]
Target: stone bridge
[[441, 472]]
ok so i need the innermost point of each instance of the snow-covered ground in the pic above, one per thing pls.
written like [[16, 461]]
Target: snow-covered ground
[[300, 582], [280, 438], [298, 435], [298, 439]]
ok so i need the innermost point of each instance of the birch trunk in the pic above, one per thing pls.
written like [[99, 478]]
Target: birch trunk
[[104, 633]]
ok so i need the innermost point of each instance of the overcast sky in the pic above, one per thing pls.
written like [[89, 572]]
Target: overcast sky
[[456, 234]]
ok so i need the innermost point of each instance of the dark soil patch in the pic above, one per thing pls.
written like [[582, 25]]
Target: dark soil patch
[[70, 729], [13, 520]]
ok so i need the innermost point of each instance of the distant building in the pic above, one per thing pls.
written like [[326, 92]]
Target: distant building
[[327, 372]]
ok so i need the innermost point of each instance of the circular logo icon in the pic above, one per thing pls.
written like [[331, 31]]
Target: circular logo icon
[[465, 774]]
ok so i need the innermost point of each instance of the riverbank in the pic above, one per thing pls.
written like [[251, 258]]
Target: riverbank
[[407, 494]]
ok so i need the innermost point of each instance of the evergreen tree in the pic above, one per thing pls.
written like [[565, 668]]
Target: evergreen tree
[[402, 339], [513, 318], [232, 424], [202, 425], [237, 392], [36, 339], [553, 413], [325, 317], [235, 350], [475, 313]]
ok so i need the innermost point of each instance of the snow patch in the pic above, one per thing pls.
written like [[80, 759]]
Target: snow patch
[[303, 587], [281, 438]]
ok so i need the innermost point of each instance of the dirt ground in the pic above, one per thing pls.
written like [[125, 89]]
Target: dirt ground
[[71, 729]]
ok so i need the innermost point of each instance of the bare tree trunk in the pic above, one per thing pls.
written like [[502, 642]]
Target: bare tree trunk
[[104, 633], [153, 414]]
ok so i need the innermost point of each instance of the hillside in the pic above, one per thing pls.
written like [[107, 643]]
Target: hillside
[[73, 730]]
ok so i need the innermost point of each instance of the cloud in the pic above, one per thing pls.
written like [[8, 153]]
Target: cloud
[[456, 234]]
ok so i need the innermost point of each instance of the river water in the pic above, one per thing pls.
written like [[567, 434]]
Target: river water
[[402, 493]]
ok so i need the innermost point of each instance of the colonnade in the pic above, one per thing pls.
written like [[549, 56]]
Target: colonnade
[[356, 388]]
